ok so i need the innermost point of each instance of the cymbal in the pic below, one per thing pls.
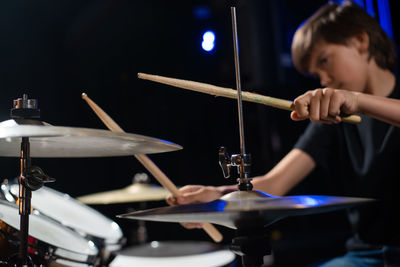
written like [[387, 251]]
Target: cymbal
[[133, 193], [232, 209], [58, 141]]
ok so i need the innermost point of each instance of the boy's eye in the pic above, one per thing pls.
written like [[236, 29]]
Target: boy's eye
[[323, 61]]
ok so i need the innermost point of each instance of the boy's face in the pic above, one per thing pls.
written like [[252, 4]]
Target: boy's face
[[340, 66]]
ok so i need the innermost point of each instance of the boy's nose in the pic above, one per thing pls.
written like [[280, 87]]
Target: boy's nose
[[325, 80]]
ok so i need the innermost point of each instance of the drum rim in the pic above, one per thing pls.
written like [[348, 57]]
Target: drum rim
[[216, 251]]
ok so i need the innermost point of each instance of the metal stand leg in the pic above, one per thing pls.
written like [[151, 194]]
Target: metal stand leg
[[25, 195], [252, 243]]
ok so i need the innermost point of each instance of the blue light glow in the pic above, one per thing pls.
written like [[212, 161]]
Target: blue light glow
[[207, 46], [384, 17], [216, 205], [369, 6], [209, 36], [310, 201], [208, 41], [383, 12], [358, 2], [202, 12]]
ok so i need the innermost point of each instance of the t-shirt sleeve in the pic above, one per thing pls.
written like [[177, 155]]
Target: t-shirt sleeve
[[317, 141]]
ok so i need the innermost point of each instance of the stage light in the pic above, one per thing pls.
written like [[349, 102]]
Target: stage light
[[208, 41]]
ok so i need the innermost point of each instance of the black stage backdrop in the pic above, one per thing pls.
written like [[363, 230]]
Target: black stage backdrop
[[56, 50]]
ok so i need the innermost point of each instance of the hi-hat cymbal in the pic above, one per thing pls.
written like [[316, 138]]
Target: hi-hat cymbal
[[232, 209], [132, 193], [58, 141]]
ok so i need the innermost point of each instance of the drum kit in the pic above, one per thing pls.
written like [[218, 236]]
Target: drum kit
[[40, 226], [43, 227]]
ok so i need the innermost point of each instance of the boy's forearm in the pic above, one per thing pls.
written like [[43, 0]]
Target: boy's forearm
[[382, 108]]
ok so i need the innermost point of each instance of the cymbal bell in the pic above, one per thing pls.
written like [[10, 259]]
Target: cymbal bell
[[233, 208], [58, 141], [134, 193]]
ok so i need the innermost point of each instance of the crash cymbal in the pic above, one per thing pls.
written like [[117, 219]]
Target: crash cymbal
[[232, 208], [58, 141], [132, 193]]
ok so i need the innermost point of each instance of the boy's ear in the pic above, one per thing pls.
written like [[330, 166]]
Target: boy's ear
[[362, 41]]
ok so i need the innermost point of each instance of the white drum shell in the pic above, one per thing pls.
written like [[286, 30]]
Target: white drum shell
[[105, 233], [58, 241]]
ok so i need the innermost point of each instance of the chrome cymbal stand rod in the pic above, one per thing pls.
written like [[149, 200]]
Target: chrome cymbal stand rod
[[238, 83], [25, 195], [242, 161]]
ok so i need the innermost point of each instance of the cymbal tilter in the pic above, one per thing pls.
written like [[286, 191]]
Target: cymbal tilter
[[241, 162]]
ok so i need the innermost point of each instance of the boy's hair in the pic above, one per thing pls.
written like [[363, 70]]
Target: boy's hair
[[335, 24]]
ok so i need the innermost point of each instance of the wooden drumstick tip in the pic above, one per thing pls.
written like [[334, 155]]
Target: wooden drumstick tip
[[84, 95]]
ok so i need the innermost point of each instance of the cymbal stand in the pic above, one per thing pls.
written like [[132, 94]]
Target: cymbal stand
[[141, 231], [251, 243], [30, 179], [242, 161]]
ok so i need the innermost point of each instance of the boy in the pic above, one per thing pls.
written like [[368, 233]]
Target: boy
[[346, 49]]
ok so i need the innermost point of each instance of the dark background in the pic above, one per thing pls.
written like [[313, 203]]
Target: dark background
[[56, 50]]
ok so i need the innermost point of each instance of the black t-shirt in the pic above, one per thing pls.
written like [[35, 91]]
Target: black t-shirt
[[364, 160]]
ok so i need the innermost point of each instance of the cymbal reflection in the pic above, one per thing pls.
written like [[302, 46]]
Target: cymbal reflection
[[232, 208]]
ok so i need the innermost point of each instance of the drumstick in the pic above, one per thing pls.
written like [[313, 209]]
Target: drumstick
[[230, 93], [149, 165]]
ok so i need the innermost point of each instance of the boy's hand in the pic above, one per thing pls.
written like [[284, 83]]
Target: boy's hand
[[324, 105]]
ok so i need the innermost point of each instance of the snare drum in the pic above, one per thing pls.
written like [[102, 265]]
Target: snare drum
[[49, 243], [175, 254], [91, 224]]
